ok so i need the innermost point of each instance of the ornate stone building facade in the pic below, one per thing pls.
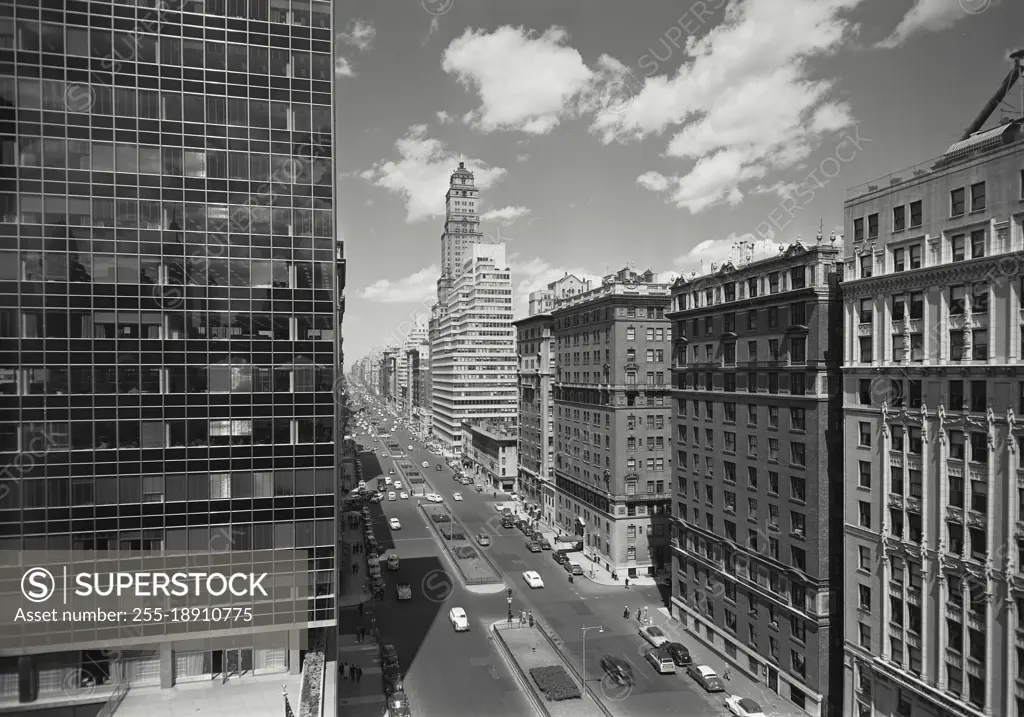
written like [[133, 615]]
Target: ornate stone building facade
[[934, 391]]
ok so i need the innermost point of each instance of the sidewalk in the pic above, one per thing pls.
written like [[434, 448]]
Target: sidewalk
[[741, 683], [592, 569], [364, 698], [354, 590]]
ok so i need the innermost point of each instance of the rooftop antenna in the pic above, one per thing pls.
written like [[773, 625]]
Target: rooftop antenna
[[821, 230]]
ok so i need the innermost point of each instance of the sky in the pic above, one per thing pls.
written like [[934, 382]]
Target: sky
[[657, 134]]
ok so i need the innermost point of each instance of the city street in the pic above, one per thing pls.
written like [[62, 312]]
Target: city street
[[446, 673], [566, 607]]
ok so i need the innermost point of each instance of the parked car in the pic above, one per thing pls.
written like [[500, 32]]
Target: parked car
[[706, 677], [679, 653], [377, 498], [458, 618], [392, 496], [559, 557], [571, 567], [403, 495], [506, 522], [387, 480], [388, 655], [483, 540], [661, 660], [533, 547], [393, 561], [653, 634], [743, 707], [398, 705], [545, 544]]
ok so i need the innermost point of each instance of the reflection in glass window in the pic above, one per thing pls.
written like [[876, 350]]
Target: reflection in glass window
[[193, 108], [103, 212], [104, 268], [102, 157], [195, 163], [79, 211], [192, 54], [124, 102], [280, 62], [150, 161], [127, 158], [79, 152], [170, 50], [279, 115], [216, 110], [149, 104], [30, 209]]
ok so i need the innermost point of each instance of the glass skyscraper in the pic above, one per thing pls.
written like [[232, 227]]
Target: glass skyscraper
[[169, 298]]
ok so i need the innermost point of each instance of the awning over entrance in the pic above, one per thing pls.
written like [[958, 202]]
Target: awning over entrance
[[580, 522]]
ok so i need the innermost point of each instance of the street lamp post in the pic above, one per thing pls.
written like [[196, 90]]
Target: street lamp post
[[599, 628]]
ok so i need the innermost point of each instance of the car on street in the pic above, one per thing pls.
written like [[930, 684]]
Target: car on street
[[410, 448], [424, 464], [377, 498], [435, 498], [438, 467], [559, 557], [545, 544], [457, 616], [456, 496], [398, 485], [653, 634], [404, 591], [571, 567], [533, 579], [483, 540], [705, 677], [388, 655], [362, 485], [398, 705], [533, 547], [661, 660], [403, 495], [395, 524], [387, 480], [392, 678], [679, 653], [743, 707], [391, 495], [391, 471]]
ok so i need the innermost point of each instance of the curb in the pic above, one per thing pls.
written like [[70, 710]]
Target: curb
[[572, 669], [446, 549], [515, 669]]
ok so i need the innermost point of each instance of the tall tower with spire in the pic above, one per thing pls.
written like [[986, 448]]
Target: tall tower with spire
[[461, 221]]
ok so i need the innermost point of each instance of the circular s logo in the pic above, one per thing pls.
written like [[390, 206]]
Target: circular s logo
[[38, 585], [437, 586]]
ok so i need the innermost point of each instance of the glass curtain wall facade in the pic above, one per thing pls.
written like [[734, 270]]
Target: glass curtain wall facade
[[168, 279]]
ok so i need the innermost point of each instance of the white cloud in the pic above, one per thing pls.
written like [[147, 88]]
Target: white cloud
[[359, 35], [933, 16], [343, 68], [742, 103], [522, 157], [732, 248], [525, 82], [420, 175], [783, 190], [417, 287], [536, 274], [444, 118], [506, 214], [654, 181]]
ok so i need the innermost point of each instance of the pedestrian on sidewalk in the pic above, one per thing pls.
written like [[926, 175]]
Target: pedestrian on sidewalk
[[728, 673], [638, 618], [627, 582], [360, 609], [341, 668], [510, 618], [352, 672], [359, 673]]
